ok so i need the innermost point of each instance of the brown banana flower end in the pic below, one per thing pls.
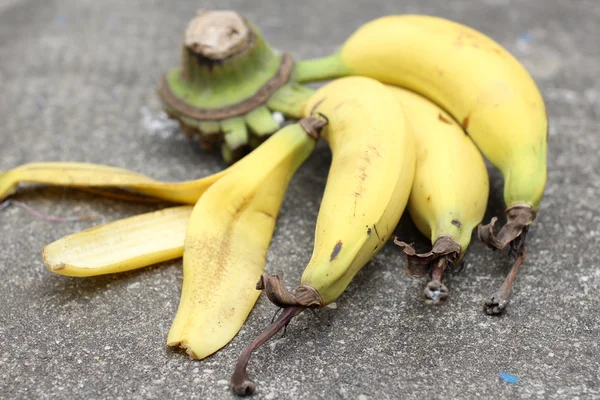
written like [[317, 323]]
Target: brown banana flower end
[[445, 250], [512, 234], [240, 383], [518, 218], [497, 302], [292, 304]]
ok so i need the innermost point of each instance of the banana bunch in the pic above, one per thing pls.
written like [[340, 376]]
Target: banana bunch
[[482, 87], [416, 102]]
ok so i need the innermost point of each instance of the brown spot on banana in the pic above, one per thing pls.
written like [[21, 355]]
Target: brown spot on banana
[[268, 214], [377, 233], [465, 122], [444, 119], [336, 250], [356, 196], [456, 223], [374, 150], [317, 104]]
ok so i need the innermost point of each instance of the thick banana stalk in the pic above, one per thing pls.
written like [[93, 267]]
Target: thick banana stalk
[[228, 83], [367, 190], [227, 240], [449, 194], [481, 85], [83, 175], [119, 246]]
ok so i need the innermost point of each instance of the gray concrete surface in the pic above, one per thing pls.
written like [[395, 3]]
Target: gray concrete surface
[[77, 83]]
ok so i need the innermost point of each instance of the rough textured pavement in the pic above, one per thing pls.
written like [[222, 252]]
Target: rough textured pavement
[[77, 81]]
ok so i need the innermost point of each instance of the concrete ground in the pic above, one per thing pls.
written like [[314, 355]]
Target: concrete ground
[[77, 80]]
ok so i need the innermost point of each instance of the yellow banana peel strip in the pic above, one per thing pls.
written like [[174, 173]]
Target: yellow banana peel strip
[[119, 246], [93, 175]]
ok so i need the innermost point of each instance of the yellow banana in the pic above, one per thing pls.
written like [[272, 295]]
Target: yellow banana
[[450, 191], [367, 189], [481, 85], [120, 246], [227, 240], [86, 175]]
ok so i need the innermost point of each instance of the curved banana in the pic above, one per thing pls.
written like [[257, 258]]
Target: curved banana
[[450, 191], [481, 85], [367, 190], [227, 240]]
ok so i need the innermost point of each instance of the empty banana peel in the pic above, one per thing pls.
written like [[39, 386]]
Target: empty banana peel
[[119, 246], [93, 175], [227, 241]]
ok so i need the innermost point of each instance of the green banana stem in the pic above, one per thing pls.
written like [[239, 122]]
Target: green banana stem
[[319, 69], [261, 122], [235, 135], [290, 99]]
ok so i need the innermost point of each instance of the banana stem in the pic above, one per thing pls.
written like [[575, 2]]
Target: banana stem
[[240, 382], [498, 301], [290, 99], [437, 272], [319, 69]]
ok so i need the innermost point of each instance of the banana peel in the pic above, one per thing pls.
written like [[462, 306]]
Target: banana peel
[[120, 246], [227, 240], [85, 175]]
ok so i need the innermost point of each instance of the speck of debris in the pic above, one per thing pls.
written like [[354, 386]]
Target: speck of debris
[[278, 117], [508, 378]]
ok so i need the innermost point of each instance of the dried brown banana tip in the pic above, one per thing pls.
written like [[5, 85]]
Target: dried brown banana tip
[[292, 304], [433, 263], [240, 382], [435, 292], [419, 265], [518, 218], [217, 34], [513, 234], [497, 302]]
